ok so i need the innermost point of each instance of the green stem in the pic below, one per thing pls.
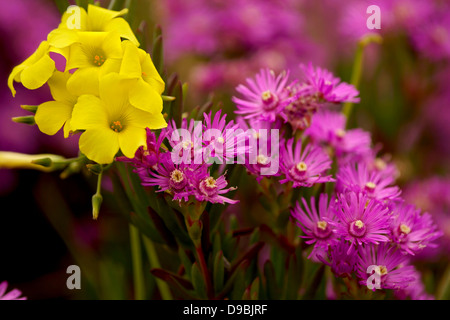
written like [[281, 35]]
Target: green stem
[[154, 263], [138, 273], [357, 67]]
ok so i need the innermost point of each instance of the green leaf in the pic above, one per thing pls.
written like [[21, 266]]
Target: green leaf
[[218, 272], [198, 281]]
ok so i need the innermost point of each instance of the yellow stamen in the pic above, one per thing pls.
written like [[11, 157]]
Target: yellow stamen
[[302, 167], [405, 229], [322, 225], [116, 126]]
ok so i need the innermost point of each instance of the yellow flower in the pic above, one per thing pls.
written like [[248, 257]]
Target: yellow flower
[[96, 54], [111, 122], [96, 19], [148, 87], [52, 115], [36, 69]]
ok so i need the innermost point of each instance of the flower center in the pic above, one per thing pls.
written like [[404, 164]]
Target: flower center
[[370, 186], [404, 229], [322, 230], [382, 270], [298, 172], [208, 186], [116, 126], [177, 180], [261, 159], [340, 133], [357, 228], [220, 140], [99, 60], [301, 167], [269, 100]]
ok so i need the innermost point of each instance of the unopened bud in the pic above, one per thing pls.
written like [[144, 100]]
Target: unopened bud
[[97, 200], [26, 119], [29, 108]]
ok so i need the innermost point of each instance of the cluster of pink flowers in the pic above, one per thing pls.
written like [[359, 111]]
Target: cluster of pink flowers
[[363, 221], [182, 165]]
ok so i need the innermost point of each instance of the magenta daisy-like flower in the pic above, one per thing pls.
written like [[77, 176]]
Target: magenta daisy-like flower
[[304, 167], [357, 177], [328, 128], [14, 294], [221, 139], [147, 157], [264, 97], [173, 178], [327, 87], [262, 154], [411, 230], [315, 223], [390, 265], [207, 188], [361, 219], [340, 258]]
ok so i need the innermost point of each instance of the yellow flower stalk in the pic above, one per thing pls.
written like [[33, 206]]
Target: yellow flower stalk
[[36, 69], [16, 160], [148, 87], [110, 122], [94, 55], [52, 115], [96, 19]]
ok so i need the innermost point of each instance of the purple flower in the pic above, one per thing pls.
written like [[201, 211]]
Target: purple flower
[[206, 188], [222, 140], [356, 176], [411, 230], [175, 179], [390, 265], [415, 290], [12, 295], [304, 167], [261, 151], [326, 87], [361, 219], [315, 223], [328, 127], [264, 97], [340, 258], [148, 156]]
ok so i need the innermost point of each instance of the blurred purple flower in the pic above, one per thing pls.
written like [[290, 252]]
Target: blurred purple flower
[[12, 295]]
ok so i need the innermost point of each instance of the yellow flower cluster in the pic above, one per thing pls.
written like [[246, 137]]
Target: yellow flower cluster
[[110, 89]]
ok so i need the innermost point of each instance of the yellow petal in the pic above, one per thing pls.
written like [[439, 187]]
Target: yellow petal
[[50, 116], [58, 88], [131, 64], [37, 74], [78, 58], [150, 74], [99, 145], [61, 38], [99, 17], [130, 139], [112, 45], [69, 15], [121, 26], [145, 97], [143, 119], [89, 113], [15, 76], [113, 91], [84, 81]]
